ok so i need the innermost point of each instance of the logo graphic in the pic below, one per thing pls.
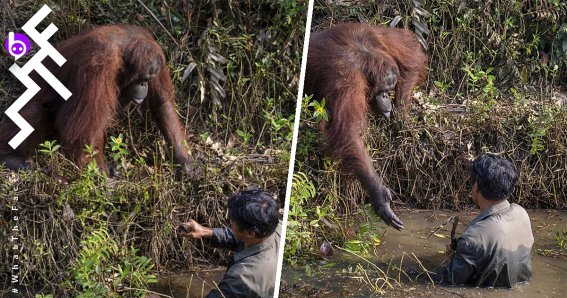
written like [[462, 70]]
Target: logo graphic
[[17, 45], [22, 73]]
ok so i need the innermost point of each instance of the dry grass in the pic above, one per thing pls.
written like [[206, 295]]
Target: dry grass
[[425, 158]]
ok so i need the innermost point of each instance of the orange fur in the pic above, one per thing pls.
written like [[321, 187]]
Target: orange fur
[[346, 65], [100, 63]]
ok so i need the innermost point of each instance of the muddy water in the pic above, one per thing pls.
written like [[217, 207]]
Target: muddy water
[[189, 284], [416, 255]]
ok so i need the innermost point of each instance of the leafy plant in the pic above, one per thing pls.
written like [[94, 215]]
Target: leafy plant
[[537, 135], [49, 147], [118, 148], [298, 237], [103, 269], [319, 113], [480, 80], [443, 87], [281, 126], [367, 236], [246, 136], [118, 151], [539, 126], [90, 151]]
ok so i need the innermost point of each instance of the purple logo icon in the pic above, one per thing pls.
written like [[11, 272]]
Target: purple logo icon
[[17, 45]]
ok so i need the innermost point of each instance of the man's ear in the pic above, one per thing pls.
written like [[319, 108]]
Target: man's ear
[[251, 234], [475, 192]]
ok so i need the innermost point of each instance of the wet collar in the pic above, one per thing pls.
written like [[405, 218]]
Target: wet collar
[[267, 243], [490, 211]]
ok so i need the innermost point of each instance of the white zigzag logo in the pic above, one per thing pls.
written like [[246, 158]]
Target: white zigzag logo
[[22, 73]]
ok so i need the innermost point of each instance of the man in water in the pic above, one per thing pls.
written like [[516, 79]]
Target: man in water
[[254, 235], [495, 249]]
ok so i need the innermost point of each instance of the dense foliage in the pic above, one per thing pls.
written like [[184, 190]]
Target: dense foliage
[[235, 66]]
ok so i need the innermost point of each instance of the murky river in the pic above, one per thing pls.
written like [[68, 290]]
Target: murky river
[[188, 285], [348, 275]]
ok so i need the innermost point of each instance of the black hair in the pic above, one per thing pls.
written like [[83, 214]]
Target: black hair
[[496, 176], [254, 210]]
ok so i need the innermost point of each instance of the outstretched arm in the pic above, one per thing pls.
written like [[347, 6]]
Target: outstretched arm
[[348, 111], [219, 237], [162, 106]]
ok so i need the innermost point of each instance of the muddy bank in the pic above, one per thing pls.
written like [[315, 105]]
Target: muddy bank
[[348, 275]]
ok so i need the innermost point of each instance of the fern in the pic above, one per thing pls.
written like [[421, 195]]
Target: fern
[[103, 269]]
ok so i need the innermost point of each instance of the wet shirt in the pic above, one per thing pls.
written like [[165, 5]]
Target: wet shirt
[[253, 271], [495, 249]]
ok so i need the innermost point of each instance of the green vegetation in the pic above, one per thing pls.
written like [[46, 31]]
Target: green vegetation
[[311, 217], [103, 269], [495, 83]]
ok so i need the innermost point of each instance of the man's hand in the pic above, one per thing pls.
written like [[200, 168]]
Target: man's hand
[[193, 230]]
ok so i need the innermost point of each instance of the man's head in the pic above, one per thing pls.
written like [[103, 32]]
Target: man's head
[[254, 213], [493, 177]]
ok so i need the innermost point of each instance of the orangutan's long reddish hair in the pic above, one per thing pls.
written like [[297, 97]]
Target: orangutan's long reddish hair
[[102, 64], [347, 65]]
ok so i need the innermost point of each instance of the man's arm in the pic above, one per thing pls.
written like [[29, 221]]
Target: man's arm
[[463, 265], [218, 237], [194, 230], [223, 237]]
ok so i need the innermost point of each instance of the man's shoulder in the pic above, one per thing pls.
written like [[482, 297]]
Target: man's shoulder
[[519, 211], [263, 260], [481, 231], [496, 226], [480, 227]]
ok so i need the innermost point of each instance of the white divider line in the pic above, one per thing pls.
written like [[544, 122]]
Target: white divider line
[[293, 146]]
